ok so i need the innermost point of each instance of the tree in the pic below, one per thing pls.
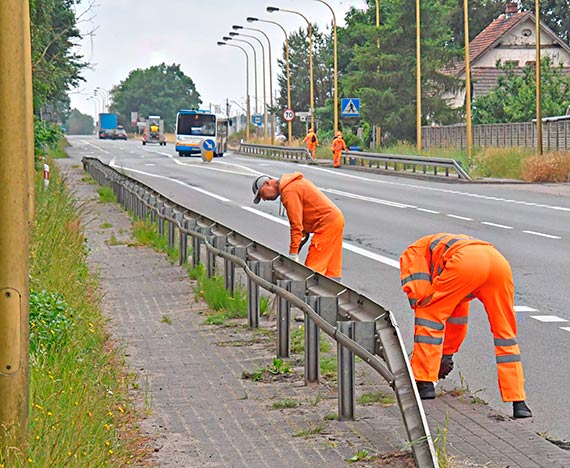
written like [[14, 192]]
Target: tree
[[514, 97], [555, 14], [384, 77], [55, 67], [79, 124], [158, 90], [481, 14]]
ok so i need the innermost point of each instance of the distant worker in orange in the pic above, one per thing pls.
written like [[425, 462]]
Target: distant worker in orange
[[440, 274], [312, 142], [338, 146], [309, 211]]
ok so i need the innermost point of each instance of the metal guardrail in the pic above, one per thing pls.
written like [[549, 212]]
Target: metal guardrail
[[407, 163], [393, 162], [360, 326], [283, 152]]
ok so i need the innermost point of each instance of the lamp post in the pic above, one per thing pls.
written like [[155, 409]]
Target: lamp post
[[538, 79], [251, 20], [335, 59], [220, 43], [95, 104], [467, 79], [310, 33], [230, 38], [105, 98], [233, 34], [418, 80], [377, 24], [236, 27]]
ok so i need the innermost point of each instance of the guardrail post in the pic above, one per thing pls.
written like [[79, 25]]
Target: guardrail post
[[283, 322], [253, 297], [230, 272], [152, 201], [170, 227], [346, 398], [160, 219], [312, 337]]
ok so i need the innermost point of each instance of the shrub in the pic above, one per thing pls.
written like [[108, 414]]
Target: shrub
[[551, 167], [504, 163]]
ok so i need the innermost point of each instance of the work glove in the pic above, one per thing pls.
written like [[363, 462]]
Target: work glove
[[294, 257], [446, 366]]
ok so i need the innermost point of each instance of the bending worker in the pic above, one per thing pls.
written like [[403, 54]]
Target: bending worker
[[440, 274], [312, 142], [309, 211], [338, 145]]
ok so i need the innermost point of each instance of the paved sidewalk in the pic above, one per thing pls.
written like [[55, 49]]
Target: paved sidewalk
[[204, 414]]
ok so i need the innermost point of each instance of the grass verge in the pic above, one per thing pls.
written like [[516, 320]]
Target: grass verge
[[81, 412]]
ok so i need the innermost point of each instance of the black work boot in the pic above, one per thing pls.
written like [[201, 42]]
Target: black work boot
[[426, 390], [446, 366], [520, 410]]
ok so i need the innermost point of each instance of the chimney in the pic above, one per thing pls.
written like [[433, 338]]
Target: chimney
[[511, 8]]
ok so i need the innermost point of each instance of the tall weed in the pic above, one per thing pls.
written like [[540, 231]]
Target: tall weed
[[550, 167], [501, 163]]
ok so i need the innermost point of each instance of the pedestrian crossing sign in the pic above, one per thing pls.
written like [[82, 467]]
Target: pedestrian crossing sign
[[350, 107]]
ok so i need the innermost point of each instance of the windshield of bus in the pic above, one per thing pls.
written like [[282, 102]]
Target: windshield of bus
[[196, 124]]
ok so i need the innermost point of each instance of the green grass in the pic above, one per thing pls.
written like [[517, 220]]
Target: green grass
[[81, 413], [105, 225], [287, 403], [146, 233], [106, 195], [298, 341], [384, 399], [310, 431]]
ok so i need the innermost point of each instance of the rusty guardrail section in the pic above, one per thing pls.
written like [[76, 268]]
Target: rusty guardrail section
[[360, 326], [387, 162]]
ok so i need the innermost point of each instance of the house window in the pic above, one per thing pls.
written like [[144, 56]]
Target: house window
[[531, 63], [526, 32]]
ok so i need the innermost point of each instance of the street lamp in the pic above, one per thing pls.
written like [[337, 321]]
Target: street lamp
[[229, 38], [233, 34], [105, 98], [237, 27], [335, 58], [310, 33], [467, 79], [220, 43], [537, 79], [95, 103], [418, 80], [251, 20]]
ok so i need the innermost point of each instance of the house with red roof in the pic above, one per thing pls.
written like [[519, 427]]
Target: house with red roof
[[509, 38]]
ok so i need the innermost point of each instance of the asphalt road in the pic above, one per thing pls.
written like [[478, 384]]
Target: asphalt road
[[529, 224]]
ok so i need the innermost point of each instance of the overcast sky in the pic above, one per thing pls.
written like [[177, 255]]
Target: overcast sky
[[122, 35]]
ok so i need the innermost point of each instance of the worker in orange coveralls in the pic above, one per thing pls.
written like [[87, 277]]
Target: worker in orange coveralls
[[338, 145], [312, 142], [309, 211], [440, 274]]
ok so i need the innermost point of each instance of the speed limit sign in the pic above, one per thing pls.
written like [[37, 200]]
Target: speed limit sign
[[288, 115]]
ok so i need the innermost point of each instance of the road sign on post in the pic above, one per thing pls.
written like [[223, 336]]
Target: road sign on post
[[207, 150], [350, 107], [257, 120], [288, 115]]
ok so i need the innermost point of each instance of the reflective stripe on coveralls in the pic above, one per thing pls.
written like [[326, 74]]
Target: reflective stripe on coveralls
[[471, 267]]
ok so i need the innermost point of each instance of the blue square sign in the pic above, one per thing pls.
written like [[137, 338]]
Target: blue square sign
[[257, 120], [350, 107]]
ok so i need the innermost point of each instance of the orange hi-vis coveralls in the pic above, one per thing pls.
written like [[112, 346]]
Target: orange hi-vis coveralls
[[338, 145], [440, 274], [309, 210], [312, 142]]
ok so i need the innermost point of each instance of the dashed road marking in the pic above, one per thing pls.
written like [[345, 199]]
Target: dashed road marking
[[548, 318], [459, 217], [542, 234], [502, 226], [525, 309]]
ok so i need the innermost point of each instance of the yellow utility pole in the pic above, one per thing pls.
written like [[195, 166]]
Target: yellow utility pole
[[16, 157], [418, 79], [377, 24], [467, 79], [538, 84]]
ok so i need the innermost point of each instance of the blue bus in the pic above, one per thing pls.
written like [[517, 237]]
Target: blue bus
[[195, 126]]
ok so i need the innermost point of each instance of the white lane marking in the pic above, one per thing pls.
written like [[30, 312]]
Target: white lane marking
[[541, 234], [370, 199], [425, 210], [197, 189], [199, 164], [525, 309], [149, 164], [565, 328], [437, 189], [459, 217], [95, 146], [548, 318], [265, 215], [502, 226]]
